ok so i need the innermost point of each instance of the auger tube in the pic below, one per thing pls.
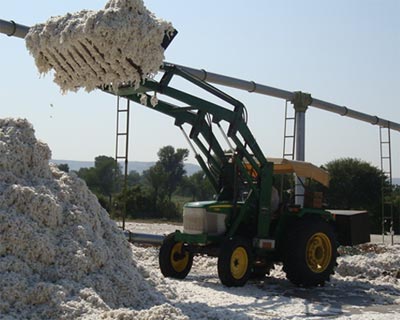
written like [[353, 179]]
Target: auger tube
[[11, 28]]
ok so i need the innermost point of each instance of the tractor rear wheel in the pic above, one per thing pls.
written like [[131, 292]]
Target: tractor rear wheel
[[235, 262], [174, 260], [310, 252]]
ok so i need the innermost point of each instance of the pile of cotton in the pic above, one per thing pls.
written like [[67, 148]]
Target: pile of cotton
[[379, 261], [61, 257], [120, 44]]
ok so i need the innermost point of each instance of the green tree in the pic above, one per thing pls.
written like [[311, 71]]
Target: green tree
[[156, 178], [134, 178], [396, 207], [104, 178], [356, 184], [187, 188], [108, 173], [198, 186], [63, 167], [90, 177], [396, 195], [138, 202], [172, 163]]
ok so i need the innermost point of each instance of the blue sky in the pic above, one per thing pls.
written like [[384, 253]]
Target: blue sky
[[345, 51]]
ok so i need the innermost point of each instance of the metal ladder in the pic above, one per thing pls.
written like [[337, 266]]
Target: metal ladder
[[289, 132], [122, 147], [386, 167], [289, 142]]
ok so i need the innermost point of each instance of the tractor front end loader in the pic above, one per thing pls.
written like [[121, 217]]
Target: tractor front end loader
[[244, 226]]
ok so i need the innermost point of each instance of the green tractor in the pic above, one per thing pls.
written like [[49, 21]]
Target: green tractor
[[303, 239], [247, 227]]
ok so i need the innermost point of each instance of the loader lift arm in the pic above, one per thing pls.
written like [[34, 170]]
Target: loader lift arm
[[220, 169]]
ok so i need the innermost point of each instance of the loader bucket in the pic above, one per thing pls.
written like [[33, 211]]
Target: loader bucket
[[121, 44], [168, 39]]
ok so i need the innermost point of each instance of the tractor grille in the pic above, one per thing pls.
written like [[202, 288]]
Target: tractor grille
[[199, 221], [194, 220]]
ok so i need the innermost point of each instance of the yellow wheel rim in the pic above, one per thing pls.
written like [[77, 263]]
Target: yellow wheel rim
[[178, 262], [239, 263], [318, 252]]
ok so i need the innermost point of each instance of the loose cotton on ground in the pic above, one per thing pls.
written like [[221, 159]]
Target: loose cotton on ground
[[61, 257], [366, 285], [117, 45]]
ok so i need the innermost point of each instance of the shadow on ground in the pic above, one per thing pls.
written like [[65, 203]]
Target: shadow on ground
[[277, 298]]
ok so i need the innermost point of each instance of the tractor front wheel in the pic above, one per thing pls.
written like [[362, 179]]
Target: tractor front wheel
[[235, 262], [174, 260], [310, 252]]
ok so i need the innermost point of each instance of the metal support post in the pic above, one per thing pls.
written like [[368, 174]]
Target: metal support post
[[300, 155], [301, 101]]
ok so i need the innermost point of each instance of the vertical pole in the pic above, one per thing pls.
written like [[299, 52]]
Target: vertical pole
[[300, 101], [390, 187], [300, 154]]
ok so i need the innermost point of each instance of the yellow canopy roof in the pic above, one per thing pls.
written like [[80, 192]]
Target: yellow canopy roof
[[300, 168]]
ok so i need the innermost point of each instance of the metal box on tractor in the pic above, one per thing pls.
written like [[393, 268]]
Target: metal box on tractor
[[242, 226]]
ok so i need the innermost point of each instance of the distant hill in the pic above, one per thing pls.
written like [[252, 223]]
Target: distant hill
[[396, 181], [74, 165], [138, 166]]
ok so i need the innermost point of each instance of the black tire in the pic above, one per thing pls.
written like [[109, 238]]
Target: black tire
[[235, 262], [174, 260], [310, 252]]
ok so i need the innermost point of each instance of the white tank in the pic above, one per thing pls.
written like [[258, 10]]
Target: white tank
[[199, 221]]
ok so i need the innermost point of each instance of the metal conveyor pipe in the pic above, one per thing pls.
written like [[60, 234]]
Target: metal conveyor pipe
[[249, 86], [11, 28], [344, 111], [252, 86], [144, 238]]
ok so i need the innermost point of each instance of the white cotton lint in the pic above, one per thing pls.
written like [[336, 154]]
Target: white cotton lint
[[120, 44], [61, 256]]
